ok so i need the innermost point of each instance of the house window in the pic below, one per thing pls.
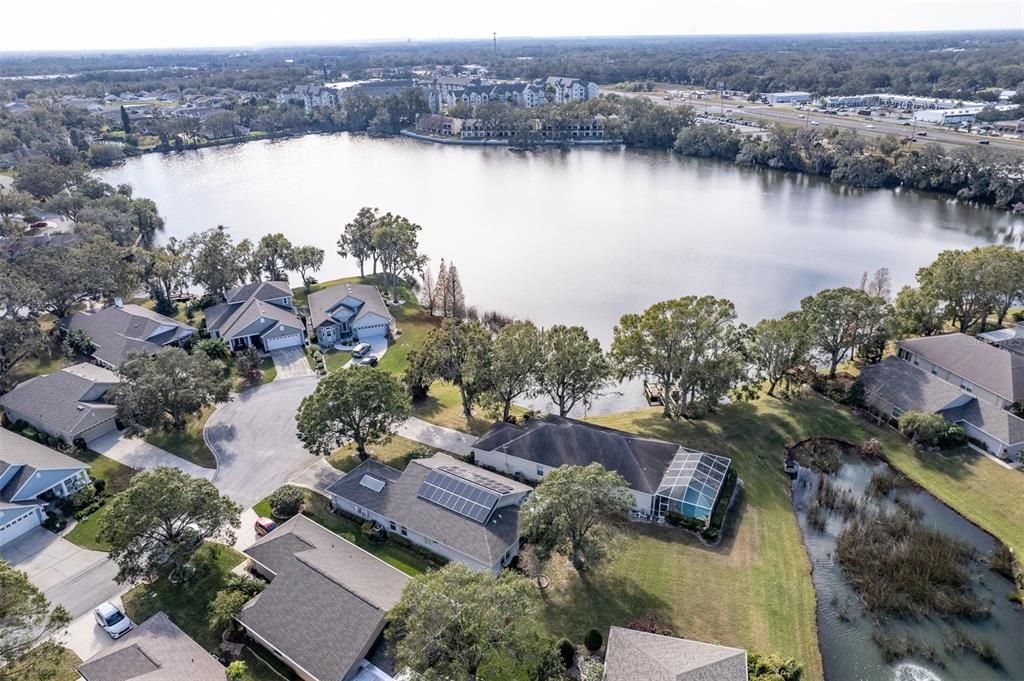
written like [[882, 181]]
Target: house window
[[540, 471], [404, 531], [965, 386], [393, 526]]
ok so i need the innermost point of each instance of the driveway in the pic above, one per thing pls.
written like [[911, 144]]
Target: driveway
[[76, 578], [140, 455], [85, 638], [291, 363], [378, 346], [253, 438]]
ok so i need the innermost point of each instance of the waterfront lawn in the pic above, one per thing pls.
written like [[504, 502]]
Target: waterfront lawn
[[34, 366], [187, 603], [86, 532], [397, 453], [443, 407], [187, 443]]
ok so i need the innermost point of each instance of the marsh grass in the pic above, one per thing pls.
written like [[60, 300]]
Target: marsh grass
[[900, 568]]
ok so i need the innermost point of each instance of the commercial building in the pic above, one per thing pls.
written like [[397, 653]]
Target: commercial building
[[795, 97]]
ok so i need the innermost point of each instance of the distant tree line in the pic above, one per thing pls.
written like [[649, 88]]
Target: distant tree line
[[986, 176]]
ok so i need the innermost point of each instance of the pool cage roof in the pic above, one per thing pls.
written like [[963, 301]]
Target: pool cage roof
[[694, 479]]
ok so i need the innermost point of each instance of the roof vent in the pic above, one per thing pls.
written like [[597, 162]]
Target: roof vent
[[81, 408]]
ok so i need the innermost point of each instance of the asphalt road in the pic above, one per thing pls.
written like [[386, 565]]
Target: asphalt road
[[84, 591], [881, 126]]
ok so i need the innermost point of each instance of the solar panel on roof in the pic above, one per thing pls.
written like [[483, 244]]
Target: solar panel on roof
[[445, 489], [477, 478]]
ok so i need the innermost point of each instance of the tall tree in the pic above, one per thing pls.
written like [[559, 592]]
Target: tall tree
[[832, 317], [27, 618], [653, 344], [160, 521], [356, 241], [126, 122], [14, 202], [146, 221], [360, 404], [167, 269], [462, 353], [515, 362], [249, 263], [573, 367], [396, 244], [917, 312], [959, 279], [575, 511], [456, 298], [880, 284], [428, 290], [775, 347], [273, 254], [172, 384], [20, 334], [303, 259], [442, 291], [216, 262], [453, 622], [1005, 271]]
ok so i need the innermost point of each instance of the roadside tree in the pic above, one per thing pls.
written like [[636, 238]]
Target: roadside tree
[[575, 512], [27, 619], [361, 404], [158, 523]]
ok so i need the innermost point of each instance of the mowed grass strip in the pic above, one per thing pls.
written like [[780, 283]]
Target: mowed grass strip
[[187, 443]]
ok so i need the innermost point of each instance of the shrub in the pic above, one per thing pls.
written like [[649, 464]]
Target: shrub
[[773, 668], [674, 518], [923, 428], [225, 608], [593, 640], [372, 531], [954, 436], [100, 485], [591, 670], [567, 651], [872, 447], [236, 671], [286, 501], [78, 500], [214, 348], [855, 395]]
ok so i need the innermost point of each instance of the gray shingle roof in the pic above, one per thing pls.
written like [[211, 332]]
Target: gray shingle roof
[[398, 501], [998, 423], [118, 331], [15, 449], [322, 303], [555, 441], [993, 368], [639, 656], [156, 650], [903, 385], [66, 399], [326, 603], [246, 305]]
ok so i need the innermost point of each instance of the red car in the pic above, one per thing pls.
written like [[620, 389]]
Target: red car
[[265, 526]]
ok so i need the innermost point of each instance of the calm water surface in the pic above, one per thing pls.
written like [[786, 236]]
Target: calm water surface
[[579, 236]]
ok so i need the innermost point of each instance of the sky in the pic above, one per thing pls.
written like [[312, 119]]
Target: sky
[[33, 25]]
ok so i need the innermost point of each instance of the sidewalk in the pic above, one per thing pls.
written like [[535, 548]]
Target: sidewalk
[[438, 437]]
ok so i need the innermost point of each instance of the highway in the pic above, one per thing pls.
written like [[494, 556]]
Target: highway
[[787, 115]]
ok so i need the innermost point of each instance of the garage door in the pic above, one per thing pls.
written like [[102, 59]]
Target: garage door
[[284, 341], [374, 331], [13, 529]]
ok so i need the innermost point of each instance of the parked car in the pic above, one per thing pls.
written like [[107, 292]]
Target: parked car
[[264, 526], [369, 361], [984, 142], [360, 350], [112, 619], [922, 134]]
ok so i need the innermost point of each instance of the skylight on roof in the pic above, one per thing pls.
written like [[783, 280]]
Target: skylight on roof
[[372, 483]]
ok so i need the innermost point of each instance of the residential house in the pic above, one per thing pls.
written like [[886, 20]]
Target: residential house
[[121, 330], [456, 510], [663, 476], [67, 404], [349, 313], [259, 315], [436, 124], [326, 603], [639, 656], [157, 650], [28, 471], [569, 89], [895, 386]]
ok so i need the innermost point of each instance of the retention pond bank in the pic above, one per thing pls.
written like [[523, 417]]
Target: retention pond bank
[[869, 629]]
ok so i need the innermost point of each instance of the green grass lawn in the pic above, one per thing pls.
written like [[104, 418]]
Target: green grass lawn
[[187, 443], [318, 509], [47, 662], [267, 366], [86, 532], [396, 453], [443, 406], [31, 367], [186, 604]]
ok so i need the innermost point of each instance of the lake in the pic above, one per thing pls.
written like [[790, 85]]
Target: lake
[[845, 629], [578, 237]]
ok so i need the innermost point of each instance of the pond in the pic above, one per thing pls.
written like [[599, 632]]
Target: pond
[[578, 237], [849, 638]]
